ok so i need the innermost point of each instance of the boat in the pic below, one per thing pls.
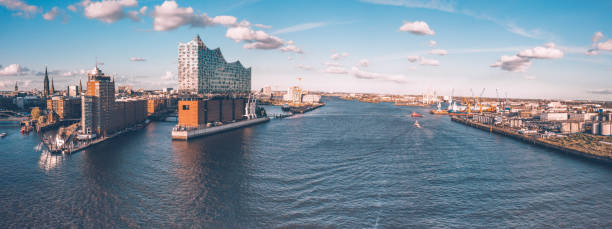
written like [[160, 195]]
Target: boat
[[416, 123], [439, 111], [285, 107], [415, 115], [2, 135]]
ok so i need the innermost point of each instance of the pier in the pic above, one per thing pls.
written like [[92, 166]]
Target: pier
[[188, 133], [543, 142]]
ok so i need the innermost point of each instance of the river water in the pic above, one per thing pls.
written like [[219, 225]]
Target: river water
[[345, 165]]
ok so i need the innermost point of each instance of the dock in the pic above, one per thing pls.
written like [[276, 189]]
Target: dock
[[178, 134], [580, 152]]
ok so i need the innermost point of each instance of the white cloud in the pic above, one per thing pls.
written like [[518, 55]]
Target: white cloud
[[18, 5], [440, 52], [81, 72], [413, 59], [49, 16], [597, 36], [107, 11], [13, 70], [547, 52], [225, 20], [364, 62], [255, 39], [301, 27], [137, 59], [605, 46], [432, 43], [417, 27], [601, 91], [133, 15], [431, 62], [169, 16], [168, 76], [360, 74], [512, 63], [143, 10], [335, 70], [335, 64], [337, 56], [72, 8], [290, 47], [304, 67], [262, 26]]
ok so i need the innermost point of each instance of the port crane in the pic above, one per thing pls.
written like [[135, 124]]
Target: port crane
[[478, 99]]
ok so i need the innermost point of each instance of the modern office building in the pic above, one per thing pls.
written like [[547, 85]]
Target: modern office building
[[205, 71]]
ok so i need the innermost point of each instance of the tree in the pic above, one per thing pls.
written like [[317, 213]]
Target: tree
[[35, 113]]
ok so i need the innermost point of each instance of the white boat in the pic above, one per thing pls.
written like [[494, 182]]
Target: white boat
[[416, 123], [2, 135]]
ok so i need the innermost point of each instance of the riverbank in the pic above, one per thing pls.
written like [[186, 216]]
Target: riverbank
[[556, 145]]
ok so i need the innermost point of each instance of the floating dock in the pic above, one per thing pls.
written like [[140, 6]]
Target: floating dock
[[534, 140], [205, 131]]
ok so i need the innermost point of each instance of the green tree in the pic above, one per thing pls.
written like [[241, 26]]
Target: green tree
[[35, 113]]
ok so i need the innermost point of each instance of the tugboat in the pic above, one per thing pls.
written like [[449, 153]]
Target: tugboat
[[416, 123], [416, 115], [286, 107]]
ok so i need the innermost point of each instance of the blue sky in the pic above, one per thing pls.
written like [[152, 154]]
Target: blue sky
[[535, 49]]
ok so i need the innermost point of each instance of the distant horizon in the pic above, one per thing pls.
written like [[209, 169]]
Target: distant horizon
[[532, 50]]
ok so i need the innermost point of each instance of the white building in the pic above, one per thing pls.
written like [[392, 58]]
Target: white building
[[310, 98], [553, 116], [203, 70]]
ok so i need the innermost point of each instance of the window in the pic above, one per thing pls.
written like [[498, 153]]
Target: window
[[185, 107]]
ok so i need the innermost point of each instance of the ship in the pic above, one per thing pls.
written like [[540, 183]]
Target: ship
[[285, 107], [416, 115], [416, 123], [439, 111]]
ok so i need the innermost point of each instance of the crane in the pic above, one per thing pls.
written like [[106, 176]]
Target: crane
[[478, 99], [498, 99]]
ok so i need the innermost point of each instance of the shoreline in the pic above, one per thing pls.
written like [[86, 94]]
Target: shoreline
[[533, 140]]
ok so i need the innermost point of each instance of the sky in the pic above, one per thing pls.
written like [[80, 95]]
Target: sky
[[525, 49]]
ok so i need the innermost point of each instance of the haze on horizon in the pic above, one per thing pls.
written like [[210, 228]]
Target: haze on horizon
[[529, 49]]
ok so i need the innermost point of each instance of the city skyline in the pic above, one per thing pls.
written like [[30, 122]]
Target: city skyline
[[546, 49]]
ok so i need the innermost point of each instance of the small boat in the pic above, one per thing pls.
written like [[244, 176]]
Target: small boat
[[286, 107], [415, 115], [2, 135], [416, 123]]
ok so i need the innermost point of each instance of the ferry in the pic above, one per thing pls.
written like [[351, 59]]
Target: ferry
[[416, 123], [416, 115]]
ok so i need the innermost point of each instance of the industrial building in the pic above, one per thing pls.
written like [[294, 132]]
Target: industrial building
[[204, 71], [201, 112]]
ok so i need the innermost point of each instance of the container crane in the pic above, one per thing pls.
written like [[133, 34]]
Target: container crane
[[478, 99]]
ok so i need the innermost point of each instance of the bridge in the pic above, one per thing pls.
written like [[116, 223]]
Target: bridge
[[12, 116]]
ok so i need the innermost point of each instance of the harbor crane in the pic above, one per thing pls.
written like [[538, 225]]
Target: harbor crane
[[478, 99]]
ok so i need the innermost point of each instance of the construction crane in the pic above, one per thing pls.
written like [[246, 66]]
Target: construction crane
[[478, 99], [499, 103]]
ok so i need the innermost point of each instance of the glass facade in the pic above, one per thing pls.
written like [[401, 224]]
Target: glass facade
[[203, 70]]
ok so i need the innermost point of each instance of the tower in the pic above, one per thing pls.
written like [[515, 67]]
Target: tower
[[80, 89], [16, 88], [52, 90], [46, 84]]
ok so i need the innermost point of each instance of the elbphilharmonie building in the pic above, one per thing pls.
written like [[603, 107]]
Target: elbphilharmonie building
[[205, 71]]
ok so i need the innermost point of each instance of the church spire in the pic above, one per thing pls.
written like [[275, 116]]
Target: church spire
[[46, 84], [80, 87], [52, 90]]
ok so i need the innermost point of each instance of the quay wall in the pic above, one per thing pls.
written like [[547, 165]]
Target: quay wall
[[205, 131], [532, 140]]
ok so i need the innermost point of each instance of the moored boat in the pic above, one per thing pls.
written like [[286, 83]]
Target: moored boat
[[416, 115]]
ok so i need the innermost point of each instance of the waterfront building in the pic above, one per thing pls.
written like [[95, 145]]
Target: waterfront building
[[155, 105], [64, 107], [195, 113], [203, 70], [311, 98], [74, 91], [294, 95]]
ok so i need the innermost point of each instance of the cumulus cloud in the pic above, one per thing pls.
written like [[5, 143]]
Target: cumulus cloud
[[255, 39], [364, 62], [440, 52], [304, 67], [169, 16], [225, 20], [335, 70], [81, 72], [547, 52], [597, 36], [512, 63], [599, 46], [430, 62], [23, 8], [432, 43], [13, 70], [49, 16], [521, 61], [417, 27], [107, 11], [143, 10], [137, 59], [361, 74], [337, 56], [133, 15], [262, 26], [290, 47], [413, 59]]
